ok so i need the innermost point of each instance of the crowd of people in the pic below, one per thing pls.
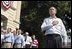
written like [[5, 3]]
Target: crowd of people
[[15, 39]]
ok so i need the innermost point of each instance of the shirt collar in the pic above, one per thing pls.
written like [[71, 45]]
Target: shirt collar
[[52, 17]]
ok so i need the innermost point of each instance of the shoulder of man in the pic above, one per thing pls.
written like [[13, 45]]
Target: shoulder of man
[[29, 37], [22, 36], [11, 33], [59, 19], [46, 18]]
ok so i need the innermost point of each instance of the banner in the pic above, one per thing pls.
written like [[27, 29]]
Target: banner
[[6, 4]]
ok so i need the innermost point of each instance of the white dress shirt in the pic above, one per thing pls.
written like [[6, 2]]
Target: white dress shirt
[[48, 27], [28, 40]]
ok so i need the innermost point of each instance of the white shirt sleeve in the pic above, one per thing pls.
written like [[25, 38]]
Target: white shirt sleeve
[[63, 32], [23, 41], [45, 25], [30, 39]]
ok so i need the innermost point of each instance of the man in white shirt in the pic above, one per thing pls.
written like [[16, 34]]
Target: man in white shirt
[[28, 40], [54, 30]]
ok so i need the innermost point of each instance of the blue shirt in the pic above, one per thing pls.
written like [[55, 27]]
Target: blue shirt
[[19, 39], [9, 37]]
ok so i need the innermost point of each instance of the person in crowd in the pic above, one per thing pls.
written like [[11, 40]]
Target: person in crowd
[[28, 40], [34, 42], [19, 39], [8, 40]]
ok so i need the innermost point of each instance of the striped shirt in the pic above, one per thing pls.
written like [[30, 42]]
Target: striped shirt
[[35, 42]]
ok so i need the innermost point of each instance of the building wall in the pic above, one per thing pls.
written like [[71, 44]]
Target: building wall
[[12, 15]]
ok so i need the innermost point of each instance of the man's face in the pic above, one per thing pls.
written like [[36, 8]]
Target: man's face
[[9, 30], [26, 34], [52, 11], [33, 36], [14, 32], [19, 31], [4, 31]]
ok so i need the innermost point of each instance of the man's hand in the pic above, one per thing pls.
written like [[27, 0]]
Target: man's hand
[[55, 23]]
